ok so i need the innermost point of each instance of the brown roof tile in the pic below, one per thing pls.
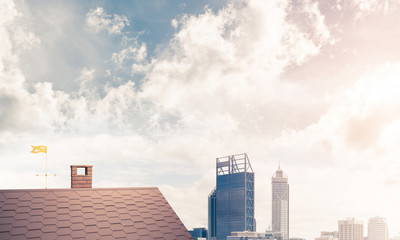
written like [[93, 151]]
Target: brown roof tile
[[34, 233], [49, 228], [25, 204], [112, 213], [35, 225], [77, 226], [8, 213], [26, 197], [49, 236], [132, 236], [36, 212], [93, 235], [5, 228], [5, 235], [118, 234], [105, 232], [34, 219], [14, 223], [17, 231]]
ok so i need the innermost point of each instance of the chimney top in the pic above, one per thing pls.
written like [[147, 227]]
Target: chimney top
[[81, 176]]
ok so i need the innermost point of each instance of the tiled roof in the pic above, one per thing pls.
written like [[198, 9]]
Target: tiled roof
[[91, 213]]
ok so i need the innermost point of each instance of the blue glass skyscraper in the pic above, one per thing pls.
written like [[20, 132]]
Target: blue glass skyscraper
[[231, 203], [198, 233]]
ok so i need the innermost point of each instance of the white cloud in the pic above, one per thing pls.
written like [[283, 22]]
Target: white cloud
[[367, 6], [97, 20], [230, 62], [136, 53], [24, 39], [174, 23]]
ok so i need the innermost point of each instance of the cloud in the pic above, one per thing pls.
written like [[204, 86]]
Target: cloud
[[97, 20], [230, 63], [365, 132], [366, 7], [203, 76], [137, 54], [174, 23]]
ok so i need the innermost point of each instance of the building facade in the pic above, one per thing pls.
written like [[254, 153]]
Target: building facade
[[280, 205], [249, 236], [198, 233], [212, 220], [231, 203], [328, 236], [377, 229], [351, 229]]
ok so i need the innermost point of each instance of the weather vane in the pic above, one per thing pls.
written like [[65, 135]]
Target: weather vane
[[43, 149]]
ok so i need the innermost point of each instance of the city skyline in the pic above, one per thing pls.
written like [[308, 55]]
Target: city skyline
[[151, 92]]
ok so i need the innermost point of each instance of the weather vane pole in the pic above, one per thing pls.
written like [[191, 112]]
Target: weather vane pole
[[43, 149]]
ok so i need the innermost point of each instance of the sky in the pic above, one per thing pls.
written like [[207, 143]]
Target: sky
[[151, 92]]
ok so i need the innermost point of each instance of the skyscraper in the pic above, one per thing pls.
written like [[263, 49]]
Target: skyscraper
[[377, 229], [351, 229], [198, 233], [212, 221], [280, 205], [231, 203]]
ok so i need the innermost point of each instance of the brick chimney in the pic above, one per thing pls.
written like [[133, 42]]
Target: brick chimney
[[81, 176]]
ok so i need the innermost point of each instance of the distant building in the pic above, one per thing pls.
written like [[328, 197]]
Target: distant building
[[83, 212], [328, 236], [280, 205], [249, 236], [270, 235], [212, 219], [198, 233], [334, 234], [377, 229], [351, 229], [231, 203]]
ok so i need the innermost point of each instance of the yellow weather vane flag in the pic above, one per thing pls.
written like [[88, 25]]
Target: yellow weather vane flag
[[38, 149]]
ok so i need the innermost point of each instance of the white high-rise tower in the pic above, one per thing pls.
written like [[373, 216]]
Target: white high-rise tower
[[280, 205], [351, 229], [377, 229]]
